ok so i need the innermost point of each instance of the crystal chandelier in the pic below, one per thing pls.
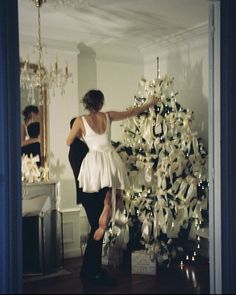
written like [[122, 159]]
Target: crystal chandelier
[[36, 77]]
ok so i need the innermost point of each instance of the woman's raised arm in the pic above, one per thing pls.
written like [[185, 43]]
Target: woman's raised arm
[[117, 116]]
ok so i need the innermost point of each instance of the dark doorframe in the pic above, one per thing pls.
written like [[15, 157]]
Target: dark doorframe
[[228, 145], [10, 156], [215, 246], [222, 146]]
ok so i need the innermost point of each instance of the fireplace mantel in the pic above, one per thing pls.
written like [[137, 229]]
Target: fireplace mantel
[[39, 189]]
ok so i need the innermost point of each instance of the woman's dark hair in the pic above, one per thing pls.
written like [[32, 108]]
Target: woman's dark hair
[[93, 100], [28, 110]]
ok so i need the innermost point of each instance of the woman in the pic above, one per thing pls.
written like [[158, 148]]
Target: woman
[[93, 203], [30, 132], [102, 167]]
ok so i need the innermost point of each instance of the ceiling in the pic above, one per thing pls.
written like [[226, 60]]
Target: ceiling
[[133, 23]]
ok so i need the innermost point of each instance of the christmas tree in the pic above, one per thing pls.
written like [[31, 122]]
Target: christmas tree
[[167, 163]]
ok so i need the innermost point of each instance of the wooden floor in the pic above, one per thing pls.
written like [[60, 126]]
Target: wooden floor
[[192, 278]]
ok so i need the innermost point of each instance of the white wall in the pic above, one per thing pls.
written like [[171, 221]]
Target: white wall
[[119, 83], [185, 57]]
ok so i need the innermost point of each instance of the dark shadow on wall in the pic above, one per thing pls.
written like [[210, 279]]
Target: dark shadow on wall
[[87, 71], [188, 81]]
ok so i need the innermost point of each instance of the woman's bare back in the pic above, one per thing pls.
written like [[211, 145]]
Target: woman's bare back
[[96, 121]]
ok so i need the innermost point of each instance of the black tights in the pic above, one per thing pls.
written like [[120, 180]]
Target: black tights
[[93, 204]]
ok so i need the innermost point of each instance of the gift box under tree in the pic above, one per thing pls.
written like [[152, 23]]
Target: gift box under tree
[[113, 256], [141, 263]]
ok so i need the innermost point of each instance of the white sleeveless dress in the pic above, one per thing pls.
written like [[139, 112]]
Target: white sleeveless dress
[[102, 166]]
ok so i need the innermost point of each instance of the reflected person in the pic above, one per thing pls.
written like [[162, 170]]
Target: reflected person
[[30, 132]]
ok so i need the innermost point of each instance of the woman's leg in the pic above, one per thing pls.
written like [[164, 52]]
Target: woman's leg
[[119, 200], [105, 216], [93, 204]]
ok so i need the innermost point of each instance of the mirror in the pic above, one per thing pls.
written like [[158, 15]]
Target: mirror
[[33, 119]]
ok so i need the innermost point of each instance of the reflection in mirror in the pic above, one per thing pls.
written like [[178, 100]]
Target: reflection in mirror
[[30, 132], [33, 121]]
